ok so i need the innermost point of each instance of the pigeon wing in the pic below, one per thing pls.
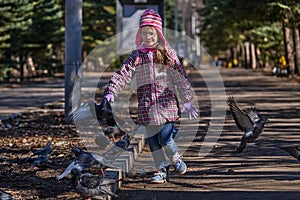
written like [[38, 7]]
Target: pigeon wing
[[68, 170], [83, 112], [252, 113], [86, 160], [242, 120]]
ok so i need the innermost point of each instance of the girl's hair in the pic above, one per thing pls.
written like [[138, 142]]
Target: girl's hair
[[162, 57]]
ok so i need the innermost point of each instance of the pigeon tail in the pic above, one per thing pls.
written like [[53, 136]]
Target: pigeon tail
[[293, 151]]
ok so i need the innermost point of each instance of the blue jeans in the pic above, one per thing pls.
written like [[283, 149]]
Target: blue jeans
[[160, 140]]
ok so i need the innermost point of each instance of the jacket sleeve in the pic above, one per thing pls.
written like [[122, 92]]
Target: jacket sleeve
[[181, 80], [123, 76]]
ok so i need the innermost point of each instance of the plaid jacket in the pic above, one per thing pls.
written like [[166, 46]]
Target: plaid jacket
[[157, 86]]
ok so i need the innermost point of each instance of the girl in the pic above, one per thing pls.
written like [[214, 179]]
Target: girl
[[159, 74]]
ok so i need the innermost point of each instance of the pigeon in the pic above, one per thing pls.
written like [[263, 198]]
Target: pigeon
[[89, 110], [113, 132], [42, 154], [85, 160], [103, 112], [90, 185], [247, 121], [124, 142], [292, 150], [120, 146]]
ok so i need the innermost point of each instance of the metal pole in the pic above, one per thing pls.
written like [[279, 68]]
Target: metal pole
[[73, 72], [176, 23], [189, 13], [183, 18], [183, 32]]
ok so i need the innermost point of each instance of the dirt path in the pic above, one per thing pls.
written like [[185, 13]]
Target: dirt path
[[262, 171]]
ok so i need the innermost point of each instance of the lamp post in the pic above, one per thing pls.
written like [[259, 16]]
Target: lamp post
[[73, 71], [176, 23]]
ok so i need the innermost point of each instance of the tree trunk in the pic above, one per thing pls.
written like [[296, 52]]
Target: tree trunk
[[288, 47], [297, 50], [21, 64], [241, 56], [252, 56], [247, 55], [257, 55]]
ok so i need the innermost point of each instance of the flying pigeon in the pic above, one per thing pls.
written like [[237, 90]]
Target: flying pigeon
[[89, 185], [89, 110], [292, 150], [85, 160], [247, 121], [103, 112], [42, 154]]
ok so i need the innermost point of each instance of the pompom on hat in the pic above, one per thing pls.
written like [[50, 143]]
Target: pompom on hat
[[150, 18]]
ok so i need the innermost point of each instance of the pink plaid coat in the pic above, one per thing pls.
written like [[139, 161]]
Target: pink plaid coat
[[157, 86]]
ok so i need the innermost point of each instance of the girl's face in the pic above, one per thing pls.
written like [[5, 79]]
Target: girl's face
[[149, 36]]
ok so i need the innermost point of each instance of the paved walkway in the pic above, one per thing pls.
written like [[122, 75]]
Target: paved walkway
[[43, 95], [18, 98]]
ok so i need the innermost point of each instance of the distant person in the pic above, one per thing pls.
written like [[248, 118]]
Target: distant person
[[282, 65], [235, 62], [159, 74]]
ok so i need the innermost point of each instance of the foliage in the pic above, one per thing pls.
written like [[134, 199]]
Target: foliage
[[227, 23], [31, 29], [98, 22], [269, 40], [35, 29]]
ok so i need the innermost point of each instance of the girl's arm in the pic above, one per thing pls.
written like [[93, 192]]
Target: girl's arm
[[181, 80], [122, 77]]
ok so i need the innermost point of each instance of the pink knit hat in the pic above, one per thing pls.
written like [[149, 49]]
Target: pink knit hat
[[150, 18]]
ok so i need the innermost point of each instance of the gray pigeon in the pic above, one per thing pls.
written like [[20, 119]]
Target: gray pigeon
[[292, 150], [247, 121], [120, 146], [90, 185], [103, 112], [85, 160], [124, 142], [90, 110], [113, 132], [43, 155]]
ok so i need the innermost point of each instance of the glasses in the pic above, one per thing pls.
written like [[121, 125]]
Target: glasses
[[151, 34]]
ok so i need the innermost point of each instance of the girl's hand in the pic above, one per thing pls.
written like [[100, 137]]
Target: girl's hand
[[193, 112], [109, 97]]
